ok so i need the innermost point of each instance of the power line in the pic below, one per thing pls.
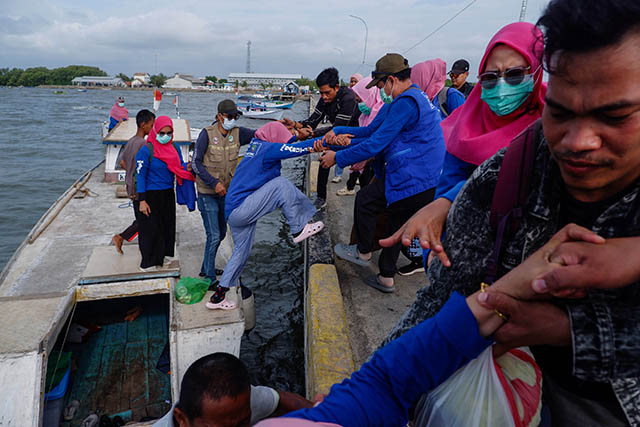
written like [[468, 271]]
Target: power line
[[442, 25]]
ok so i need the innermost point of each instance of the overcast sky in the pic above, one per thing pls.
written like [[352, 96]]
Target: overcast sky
[[210, 37]]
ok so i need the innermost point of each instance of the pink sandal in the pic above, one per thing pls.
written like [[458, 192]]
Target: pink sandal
[[309, 230], [218, 300]]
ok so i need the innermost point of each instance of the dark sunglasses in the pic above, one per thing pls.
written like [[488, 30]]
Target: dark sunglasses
[[380, 75], [453, 75], [512, 76], [230, 116], [165, 133]]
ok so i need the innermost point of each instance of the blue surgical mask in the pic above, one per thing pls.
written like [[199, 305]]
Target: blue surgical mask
[[121, 104], [504, 98], [163, 139], [364, 109], [228, 124]]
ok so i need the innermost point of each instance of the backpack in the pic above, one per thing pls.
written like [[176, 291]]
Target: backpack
[[442, 97], [511, 192]]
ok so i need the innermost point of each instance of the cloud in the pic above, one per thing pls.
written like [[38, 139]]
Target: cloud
[[196, 37]]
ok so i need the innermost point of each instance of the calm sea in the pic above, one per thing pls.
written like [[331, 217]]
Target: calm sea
[[48, 140]]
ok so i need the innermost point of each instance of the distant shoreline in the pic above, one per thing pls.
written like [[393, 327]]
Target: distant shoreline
[[74, 87]]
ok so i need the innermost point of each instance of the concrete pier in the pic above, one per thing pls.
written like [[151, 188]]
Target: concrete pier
[[346, 320]]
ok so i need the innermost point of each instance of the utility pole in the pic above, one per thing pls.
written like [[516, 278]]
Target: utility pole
[[523, 10], [249, 56], [366, 35]]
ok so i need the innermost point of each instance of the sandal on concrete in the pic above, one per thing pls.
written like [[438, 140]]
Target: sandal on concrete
[[350, 253], [218, 300], [309, 230], [375, 283]]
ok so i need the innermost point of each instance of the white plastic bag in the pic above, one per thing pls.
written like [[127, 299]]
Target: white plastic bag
[[487, 392]]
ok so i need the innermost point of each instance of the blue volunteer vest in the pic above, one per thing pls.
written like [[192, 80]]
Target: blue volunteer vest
[[414, 159]]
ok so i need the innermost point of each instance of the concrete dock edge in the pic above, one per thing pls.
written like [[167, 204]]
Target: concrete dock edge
[[329, 355]]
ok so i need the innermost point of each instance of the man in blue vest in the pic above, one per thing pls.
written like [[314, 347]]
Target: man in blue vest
[[407, 142]]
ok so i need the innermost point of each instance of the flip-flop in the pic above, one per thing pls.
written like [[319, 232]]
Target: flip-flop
[[375, 283], [225, 304], [350, 253], [91, 421], [309, 230], [69, 412]]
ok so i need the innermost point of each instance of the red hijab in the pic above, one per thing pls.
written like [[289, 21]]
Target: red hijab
[[473, 132], [166, 152], [118, 112]]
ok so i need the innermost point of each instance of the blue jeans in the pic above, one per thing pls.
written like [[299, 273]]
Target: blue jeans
[[212, 210], [277, 193], [337, 171]]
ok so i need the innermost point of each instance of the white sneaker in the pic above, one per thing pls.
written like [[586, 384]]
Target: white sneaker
[[149, 269], [336, 179], [345, 192]]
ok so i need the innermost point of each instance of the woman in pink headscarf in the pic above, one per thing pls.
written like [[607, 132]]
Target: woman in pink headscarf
[[369, 104], [354, 79], [118, 113], [159, 163], [431, 76], [508, 99]]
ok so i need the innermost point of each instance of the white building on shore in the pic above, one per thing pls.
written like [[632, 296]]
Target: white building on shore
[[141, 79], [257, 80], [184, 81], [98, 81]]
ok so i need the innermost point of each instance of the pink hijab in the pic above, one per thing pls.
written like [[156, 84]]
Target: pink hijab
[[371, 97], [473, 132], [356, 76], [274, 132], [430, 76], [118, 112], [166, 152]]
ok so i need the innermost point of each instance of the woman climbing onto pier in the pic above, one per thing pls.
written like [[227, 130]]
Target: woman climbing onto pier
[[258, 189], [157, 164]]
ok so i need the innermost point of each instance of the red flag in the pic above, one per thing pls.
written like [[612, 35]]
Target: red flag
[[157, 97], [175, 100]]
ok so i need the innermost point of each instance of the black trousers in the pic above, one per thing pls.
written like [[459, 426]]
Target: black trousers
[[157, 232], [323, 179], [370, 201], [132, 231], [364, 177]]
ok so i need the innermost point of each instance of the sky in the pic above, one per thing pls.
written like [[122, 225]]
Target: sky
[[210, 37]]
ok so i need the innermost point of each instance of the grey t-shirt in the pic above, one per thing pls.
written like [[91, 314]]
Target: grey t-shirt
[[264, 401], [129, 156]]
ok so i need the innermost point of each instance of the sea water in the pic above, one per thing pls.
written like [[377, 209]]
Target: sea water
[[49, 140]]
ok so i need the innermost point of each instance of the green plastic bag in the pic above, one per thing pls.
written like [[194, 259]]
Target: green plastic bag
[[190, 290]]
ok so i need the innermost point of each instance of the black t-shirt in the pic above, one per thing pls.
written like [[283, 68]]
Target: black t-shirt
[[557, 361]]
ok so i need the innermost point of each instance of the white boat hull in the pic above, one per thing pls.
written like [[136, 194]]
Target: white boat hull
[[264, 115]]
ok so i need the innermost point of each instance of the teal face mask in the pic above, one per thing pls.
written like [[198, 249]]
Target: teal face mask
[[364, 109], [121, 104], [504, 98], [387, 99], [163, 139]]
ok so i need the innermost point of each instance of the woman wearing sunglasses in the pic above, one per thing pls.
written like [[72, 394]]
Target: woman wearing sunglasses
[[508, 98], [157, 164]]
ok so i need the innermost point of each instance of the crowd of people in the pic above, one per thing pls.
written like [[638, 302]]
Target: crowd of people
[[519, 197]]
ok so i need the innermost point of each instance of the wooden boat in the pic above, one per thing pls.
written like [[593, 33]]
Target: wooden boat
[[66, 276]]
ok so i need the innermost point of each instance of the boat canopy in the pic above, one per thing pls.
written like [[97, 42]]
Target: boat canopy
[[125, 130]]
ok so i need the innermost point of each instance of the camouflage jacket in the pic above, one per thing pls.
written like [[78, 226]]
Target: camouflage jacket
[[604, 326]]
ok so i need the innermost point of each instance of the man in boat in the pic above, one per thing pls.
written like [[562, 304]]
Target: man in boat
[[339, 106], [585, 170], [118, 113], [216, 391], [214, 162], [127, 160], [406, 140]]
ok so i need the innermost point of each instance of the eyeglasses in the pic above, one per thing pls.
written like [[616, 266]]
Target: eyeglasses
[[380, 75], [453, 75], [513, 76], [165, 133]]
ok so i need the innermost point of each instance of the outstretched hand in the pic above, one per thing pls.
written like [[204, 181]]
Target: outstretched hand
[[328, 159], [427, 225], [613, 263]]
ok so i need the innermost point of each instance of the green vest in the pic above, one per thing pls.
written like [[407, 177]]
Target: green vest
[[221, 157]]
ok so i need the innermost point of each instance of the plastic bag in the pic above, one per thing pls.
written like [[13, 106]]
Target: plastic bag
[[487, 392], [190, 290]]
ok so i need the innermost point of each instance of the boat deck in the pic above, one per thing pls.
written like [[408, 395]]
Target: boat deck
[[43, 283]]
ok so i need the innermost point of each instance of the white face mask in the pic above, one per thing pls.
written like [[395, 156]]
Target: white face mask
[[228, 124]]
